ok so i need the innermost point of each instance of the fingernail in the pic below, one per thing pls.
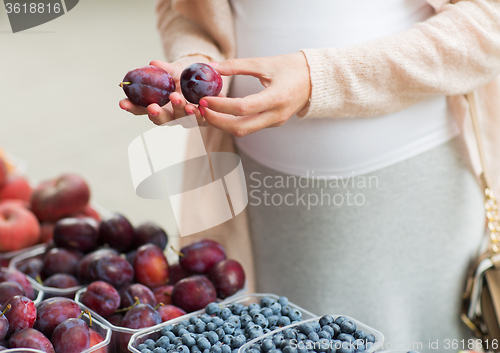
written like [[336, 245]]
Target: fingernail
[[176, 102], [204, 103], [189, 111], [202, 111], [154, 114], [214, 64]]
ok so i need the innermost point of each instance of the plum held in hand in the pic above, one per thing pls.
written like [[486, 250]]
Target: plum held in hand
[[147, 85], [200, 80]]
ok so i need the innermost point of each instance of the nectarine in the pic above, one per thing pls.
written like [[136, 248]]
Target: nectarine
[[19, 227]]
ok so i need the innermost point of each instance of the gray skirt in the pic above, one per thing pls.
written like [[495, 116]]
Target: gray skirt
[[390, 248]]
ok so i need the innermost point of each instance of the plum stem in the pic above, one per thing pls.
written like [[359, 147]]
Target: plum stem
[[137, 302], [88, 313], [39, 279], [7, 308], [125, 83], [177, 251], [157, 306]]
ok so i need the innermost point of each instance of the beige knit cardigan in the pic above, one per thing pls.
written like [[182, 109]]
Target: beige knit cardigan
[[452, 53]]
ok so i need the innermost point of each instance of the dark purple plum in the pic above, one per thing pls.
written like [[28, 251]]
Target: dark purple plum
[[176, 273], [76, 233], [71, 336], [51, 312], [149, 232], [163, 294], [31, 338], [60, 260], [61, 280], [102, 298], [8, 290], [117, 232], [201, 256], [137, 290], [13, 275], [150, 266], [193, 293], [200, 80], [147, 85], [83, 265], [4, 324], [112, 269], [115, 319], [31, 267], [228, 277], [140, 316], [22, 313]]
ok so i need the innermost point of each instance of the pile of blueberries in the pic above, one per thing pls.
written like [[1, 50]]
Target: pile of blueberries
[[226, 329]]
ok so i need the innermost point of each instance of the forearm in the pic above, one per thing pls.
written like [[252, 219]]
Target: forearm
[[453, 52]]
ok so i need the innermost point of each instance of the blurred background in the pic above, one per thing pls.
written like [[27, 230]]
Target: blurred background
[[59, 99]]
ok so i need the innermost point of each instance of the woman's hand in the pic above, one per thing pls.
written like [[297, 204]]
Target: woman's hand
[[287, 90], [178, 107]]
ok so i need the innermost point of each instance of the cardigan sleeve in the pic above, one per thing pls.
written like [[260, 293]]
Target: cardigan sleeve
[[453, 52], [195, 27]]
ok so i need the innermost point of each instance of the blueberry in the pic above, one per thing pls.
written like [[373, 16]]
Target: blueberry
[[225, 313], [346, 337], [286, 342], [166, 329], [266, 330], [200, 327], [273, 320], [266, 311], [347, 326], [360, 347], [253, 306], [277, 350], [203, 343], [313, 336], [237, 308], [206, 351], [235, 320], [244, 312], [188, 340], [163, 341], [176, 341], [260, 320], [289, 349], [328, 329], [283, 301], [245, 319], [266, 301], [306, 328], [234, 350], [256, 346], [345, 347], [324, 334], [325, 320], [215, 349], [295, 315], [277, 338], [212, 309], [238, 341], [217, 321], [316, 326], [301, 336], [191, 328], [195, 349], [369, 345], [212, 337], [142, 346], [256, 334], [228, 328], [267, 345], [359, 334], [284, 321], [220, 332], [182, 332], [290, 334], [184, 323], [276, 308], [253, 312], [250, 326], [211, 326], [226, 339], [340, 319], [285, 310], [194, 320], [252, 350], [146, 350], [206, 318], [336, 330], [370, 338], [323, 345], [150, 344], [225, 348], [181, 349], [238, 331]]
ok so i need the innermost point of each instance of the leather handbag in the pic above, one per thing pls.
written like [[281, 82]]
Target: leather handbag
[[481, 298]]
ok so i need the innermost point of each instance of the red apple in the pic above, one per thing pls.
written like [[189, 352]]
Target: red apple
[[16, 187], [54, 199], [19, 227]]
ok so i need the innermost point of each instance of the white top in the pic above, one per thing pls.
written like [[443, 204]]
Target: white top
[[333, 147]]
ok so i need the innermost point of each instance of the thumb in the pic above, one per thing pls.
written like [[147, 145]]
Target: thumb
[[246, 66]]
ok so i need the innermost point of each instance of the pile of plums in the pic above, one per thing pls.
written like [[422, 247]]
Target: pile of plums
[[53, 326]]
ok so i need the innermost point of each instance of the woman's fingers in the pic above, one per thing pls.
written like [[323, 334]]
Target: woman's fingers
[[159, 115], [127, 105], [239, 125], [252, 104], [178, 104], [246, 66], [174, 69]]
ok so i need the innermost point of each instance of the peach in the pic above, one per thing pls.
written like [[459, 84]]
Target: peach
[[56, 198], [87, 211], [19, 227], [16, 187]]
